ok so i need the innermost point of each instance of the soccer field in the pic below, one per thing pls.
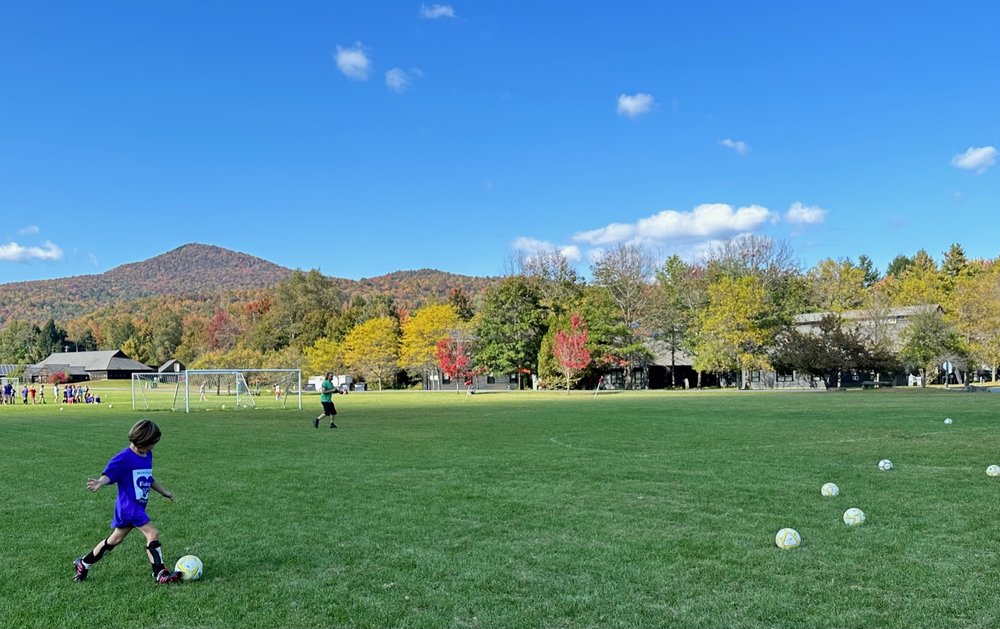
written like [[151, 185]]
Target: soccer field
[[644, 509]]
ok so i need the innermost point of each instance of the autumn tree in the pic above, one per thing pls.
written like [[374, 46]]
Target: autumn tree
[[837, 285], [975, 313], [570, 348], [454, 358], [372, 349], [735, 329], [421, 333]]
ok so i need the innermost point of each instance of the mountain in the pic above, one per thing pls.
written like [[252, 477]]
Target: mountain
[[204, 272]]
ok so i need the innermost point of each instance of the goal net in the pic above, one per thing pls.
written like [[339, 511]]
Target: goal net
[[218, 389]]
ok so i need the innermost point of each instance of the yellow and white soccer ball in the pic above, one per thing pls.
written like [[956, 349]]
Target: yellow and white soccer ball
[[993, 470], [787, 538], [885, 465], [947, 420], [829, 490], [854, 517], [190, 568]]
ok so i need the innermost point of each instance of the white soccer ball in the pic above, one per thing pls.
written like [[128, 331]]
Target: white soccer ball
[[111, 405], [854, 517], [787, 538], [947, 420], [993, 470], [223, 407], [829, 490], [885, 465], [190, 567]]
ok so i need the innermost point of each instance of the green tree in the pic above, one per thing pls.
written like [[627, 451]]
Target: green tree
[[928, 341], [510, 327]]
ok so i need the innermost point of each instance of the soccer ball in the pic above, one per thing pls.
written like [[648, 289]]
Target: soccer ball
[[223, 407], [947, 420], [854, 517], [885, 465], [787, 538], [993, 470], [829, 490], [111, 405], [190, 568]]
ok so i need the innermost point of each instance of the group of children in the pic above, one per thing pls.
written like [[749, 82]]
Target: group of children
[[29, 394]]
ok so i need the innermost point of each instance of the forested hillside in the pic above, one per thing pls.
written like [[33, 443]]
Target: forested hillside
[[203, 277]]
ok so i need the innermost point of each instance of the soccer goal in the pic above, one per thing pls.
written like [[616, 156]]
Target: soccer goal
[[218, 389]]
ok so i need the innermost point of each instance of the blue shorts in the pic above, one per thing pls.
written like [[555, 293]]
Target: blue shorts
[[129, 514]]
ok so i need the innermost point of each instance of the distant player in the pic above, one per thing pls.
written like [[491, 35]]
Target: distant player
[[132, 470], [326, 391]]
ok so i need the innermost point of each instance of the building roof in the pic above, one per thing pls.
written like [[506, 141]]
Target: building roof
[[169, 366], [106, 360], [6, 368], [868, 313]]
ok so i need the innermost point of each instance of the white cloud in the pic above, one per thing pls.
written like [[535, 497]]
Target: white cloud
[[353, 62], [976, 159], [30, 230], [397, 80], [436, 11], [93, 259], [635, 105], [13, 252], [709, 220], [741, 148], [533, 246], [805, 215]]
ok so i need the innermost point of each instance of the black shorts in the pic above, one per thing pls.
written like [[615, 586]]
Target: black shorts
[[329, 408]]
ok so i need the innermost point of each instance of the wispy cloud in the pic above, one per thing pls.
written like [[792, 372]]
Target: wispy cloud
[[353, 62], [13, 252], [635, 105], [436, 11], [976, 159], [741, 148], [709, 220], [30, 230], [399, 80], [532, 246], [799, 214], [93, 259]]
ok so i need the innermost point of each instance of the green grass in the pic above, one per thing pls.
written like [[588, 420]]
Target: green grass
[[519, 510]]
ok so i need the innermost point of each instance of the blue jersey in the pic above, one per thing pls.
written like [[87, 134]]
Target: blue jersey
[[134, 476]]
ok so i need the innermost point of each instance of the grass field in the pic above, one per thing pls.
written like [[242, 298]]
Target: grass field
[[645, 509]]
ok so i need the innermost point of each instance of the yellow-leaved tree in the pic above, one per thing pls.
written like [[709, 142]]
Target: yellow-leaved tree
[[421, 333], [734, 330], [371, 349], [324, 355]]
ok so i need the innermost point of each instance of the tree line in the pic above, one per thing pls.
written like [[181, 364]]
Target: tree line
[[732, 312]]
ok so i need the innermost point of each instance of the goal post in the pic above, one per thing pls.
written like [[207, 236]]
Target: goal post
[[218, 389]]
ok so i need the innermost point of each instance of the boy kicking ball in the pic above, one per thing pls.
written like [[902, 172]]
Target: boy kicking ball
[[132, 470]]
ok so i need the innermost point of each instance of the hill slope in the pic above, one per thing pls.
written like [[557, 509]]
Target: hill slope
[[202, 272]]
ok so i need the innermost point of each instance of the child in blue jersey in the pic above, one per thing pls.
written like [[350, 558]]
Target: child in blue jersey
[[132, 470]]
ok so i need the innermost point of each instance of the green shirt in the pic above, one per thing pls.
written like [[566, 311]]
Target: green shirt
[[325, 390]]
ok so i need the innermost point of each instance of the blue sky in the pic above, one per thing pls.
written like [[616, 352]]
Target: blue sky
[[367, 137]]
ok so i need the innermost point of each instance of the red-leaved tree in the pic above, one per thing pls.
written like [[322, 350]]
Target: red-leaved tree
[[453, 358], [570, 348]]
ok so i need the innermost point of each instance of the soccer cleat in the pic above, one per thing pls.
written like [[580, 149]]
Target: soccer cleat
[[316, 423], [81, 570], [333, 425], [168, 577]]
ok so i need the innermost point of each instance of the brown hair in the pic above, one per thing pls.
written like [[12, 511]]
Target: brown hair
[[144, 434]]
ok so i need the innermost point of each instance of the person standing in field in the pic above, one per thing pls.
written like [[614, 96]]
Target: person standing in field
[[132, 470], [326, 390]]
